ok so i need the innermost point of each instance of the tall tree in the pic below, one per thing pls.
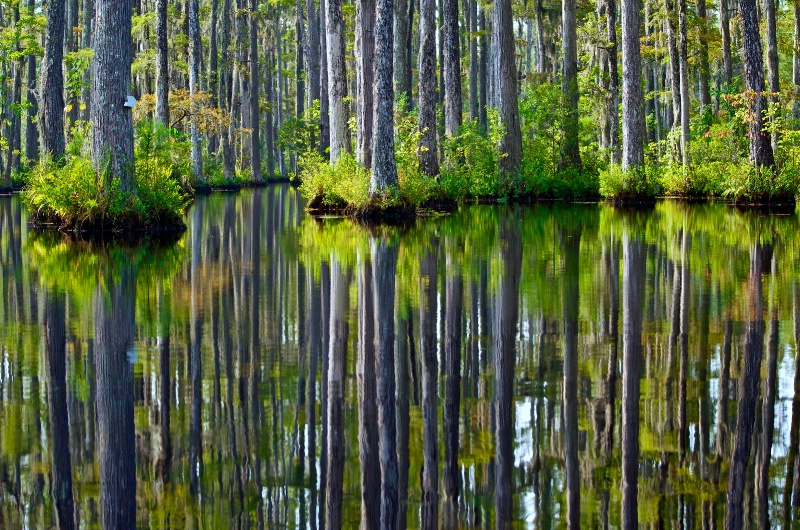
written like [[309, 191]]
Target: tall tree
[[324, 94], [571, 154], [684, 77], [725, 31], [31, 131], [162, 62], [255, 142], [52, 115], [195, 57], [760, 147], [705, 89], [402, 64], [632, 100], [504, 71], [429, 162], [365, 79], [337, 80], [613, 79], [452, 68], [384, 166], [772, 58], [473, 59]]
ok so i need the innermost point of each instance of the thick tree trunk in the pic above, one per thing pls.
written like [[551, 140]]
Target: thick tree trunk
[[760, 147], [112, 145], [384, 167], [684, 76], [195, 55], [402, 30], [162, 62], [504, 71], [571, 154], [427, 322], [633, 274], [452, 68], [226, 93], [632, 100], [365, 79], [255, 142], [725, 31], [31, 131], [506, 315], [114, 306], [674, 62], [52, 114], [429, 162], [55, 346], [748, 389], [337, 79]]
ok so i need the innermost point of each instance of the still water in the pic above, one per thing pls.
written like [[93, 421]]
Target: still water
[[541, 367]]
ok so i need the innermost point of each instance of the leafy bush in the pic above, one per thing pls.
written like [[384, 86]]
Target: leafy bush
[[618, 184]]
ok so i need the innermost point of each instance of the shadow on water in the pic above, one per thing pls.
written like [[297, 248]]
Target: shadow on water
[[550, 366]]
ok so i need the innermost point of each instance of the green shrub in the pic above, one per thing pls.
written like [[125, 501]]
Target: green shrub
[[618, 184]]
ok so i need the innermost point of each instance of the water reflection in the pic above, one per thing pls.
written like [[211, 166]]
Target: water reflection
[[546, 367]]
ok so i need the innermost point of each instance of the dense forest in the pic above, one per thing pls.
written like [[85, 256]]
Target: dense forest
[[502, 100]]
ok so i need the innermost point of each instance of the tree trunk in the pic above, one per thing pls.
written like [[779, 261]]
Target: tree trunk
[[55, 346], [213, 70], [483, 74], [772, 59], [684, 76], [162, 62], [795, 62], [337, 79], [760, 147], [31, 131], [312, 56], [299, 67], [114, 306], [195, 54], [226, 93], [705, 90], [473, 59], [112, 145], [337, 363], [384, 167], [429, 162], [365, 79], [504, 71], [255, 142], [367, 407], [571, 154], [725, 30], [633, 274], [613, 79], [748, 382], [52, 115], [427, 323], [452, 68], [324, 95], [402, 30], [506, 309], [87, 42], [384, 262], [674, 63], [632, 101], [454, 286]]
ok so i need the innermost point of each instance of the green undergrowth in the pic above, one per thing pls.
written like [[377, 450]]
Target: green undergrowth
[[72, 195]]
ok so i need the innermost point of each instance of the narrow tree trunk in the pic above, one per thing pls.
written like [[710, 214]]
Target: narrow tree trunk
[[312, 55], [748, 383], [505, 80], [454, 286], [52, 115], [31, 131], [365, 79], [795, 61], [452, 68], [402, 27], [87, 42], [112, 145], [162, 62], [427, 321], [761, 153], [195, 55], [337, 79], [473, 59], [429, 162], [705, 89], [213, 70], [324, 94], [674, 62], [255, 142], [632, 100], [772, 59], [684, 76], [384, 167], [613, 80], [226, 93], [571, 154], [633, 274], [725, 31], [299, 67], [483, 74]]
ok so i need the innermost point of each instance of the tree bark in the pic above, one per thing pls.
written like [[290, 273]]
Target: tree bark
[[705, 89], [571, 153], [112, 145], [613, 79], [255, 142], [795, 61], [31, 131], [429, 162], [195, 55], [725, 31], [365, 79], [384, 166], [473, 60], [312, 55], [760, 147], [632, 100], [87, 42], [674, 62], [427, 323], [684, 76], [454, 286], [162, 62], [452, 68], [483, 74], [402, 65], [748, 388], [772, 59], [52, 114], [633, 274], [337, 79], [324, 95], [504, 71]]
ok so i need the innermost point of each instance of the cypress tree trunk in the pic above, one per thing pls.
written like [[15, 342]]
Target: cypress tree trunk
[[725, 31], [705, 90], [226, 93], [402, 26], [213, 69], [473, 60], [452, 68], [632, 101], [337, 79], [613, 79], [684, 77], [312, 55], [112, 146], [384, 167], [87, 42], [571, 154], [365, 79], [31, 131], [795, 61], [504, 71], [52, 115], [633, 274], [483, 67], [430, 390], [162, 62], [454, 286], [299, 67], [760, 147], [748, 386], [324, 96], [674, 62], [772, 59], [255, 142], [429, 163], [195, 54], [384, 262]]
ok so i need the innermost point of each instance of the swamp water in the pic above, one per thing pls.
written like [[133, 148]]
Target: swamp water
[[552, 365]]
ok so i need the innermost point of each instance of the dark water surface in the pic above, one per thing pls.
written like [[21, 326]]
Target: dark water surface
[[544, 367]]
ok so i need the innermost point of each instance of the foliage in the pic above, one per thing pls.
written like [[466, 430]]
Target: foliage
[[184, 107]]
